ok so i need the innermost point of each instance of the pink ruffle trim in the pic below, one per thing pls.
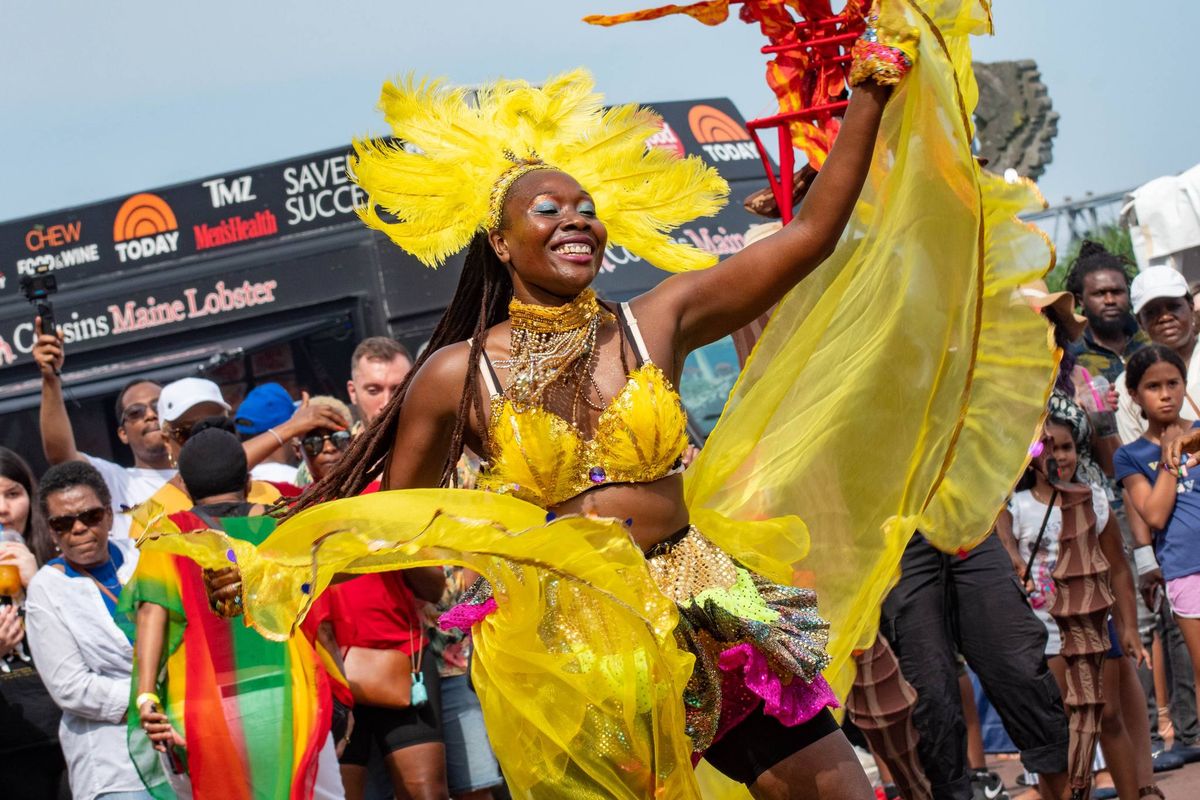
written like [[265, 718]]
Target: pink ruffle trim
[[464, 615], [791, 703]]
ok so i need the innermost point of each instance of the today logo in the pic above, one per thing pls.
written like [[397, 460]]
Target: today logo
[[144, 227], [720, 136]]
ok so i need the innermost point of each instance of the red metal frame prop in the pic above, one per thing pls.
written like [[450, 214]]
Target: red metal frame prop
[[810, 46]]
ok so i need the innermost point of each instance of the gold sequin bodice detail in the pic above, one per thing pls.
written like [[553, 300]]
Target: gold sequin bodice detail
[[540, 457]]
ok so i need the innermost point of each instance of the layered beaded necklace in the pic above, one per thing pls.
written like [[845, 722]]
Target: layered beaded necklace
[[553, 344]]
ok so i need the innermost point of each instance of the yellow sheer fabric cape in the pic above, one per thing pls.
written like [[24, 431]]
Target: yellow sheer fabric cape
[[896, 389]]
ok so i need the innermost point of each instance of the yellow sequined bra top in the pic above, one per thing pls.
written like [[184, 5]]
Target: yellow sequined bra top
[[538, 456]]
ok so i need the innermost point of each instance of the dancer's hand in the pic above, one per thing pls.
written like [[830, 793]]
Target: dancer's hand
[[224, 588]]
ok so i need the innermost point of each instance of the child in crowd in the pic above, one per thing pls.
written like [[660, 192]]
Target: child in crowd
[[1167, 497], [1030, 530]]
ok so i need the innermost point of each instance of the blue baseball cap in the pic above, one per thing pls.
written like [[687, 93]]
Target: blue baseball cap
[[266, 406]]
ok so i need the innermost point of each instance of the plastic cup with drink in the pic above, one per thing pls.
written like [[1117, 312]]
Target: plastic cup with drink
[[1092, 394], [10, 575]]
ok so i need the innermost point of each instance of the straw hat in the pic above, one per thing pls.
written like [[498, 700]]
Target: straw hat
[[1060, 305]]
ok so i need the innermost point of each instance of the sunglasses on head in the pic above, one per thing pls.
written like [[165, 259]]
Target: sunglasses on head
[[66, 523], [314, 444], [136, 412]]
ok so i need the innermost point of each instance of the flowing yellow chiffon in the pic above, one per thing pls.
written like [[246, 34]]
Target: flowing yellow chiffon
[[896, 389]]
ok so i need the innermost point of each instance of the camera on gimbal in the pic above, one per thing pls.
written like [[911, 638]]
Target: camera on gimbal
[[37, 288]]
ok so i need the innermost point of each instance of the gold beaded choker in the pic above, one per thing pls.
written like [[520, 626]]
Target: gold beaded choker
[[548, 342]]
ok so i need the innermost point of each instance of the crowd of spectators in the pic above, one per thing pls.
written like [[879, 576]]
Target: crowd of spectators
[[89, 639]]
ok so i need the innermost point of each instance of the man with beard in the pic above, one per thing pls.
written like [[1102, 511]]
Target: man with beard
[[1100, 283]]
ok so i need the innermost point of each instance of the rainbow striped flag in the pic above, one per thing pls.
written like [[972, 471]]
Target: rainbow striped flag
[[254, 712]]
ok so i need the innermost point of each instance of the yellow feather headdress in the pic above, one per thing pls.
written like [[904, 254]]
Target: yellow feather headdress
[[446, 177]]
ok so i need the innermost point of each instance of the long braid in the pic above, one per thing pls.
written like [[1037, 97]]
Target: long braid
[[480, 301]]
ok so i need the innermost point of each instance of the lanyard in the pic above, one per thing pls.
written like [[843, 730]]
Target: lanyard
[[100, 584]]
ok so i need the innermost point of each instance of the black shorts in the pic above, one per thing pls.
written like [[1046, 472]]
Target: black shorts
[[760, 741], [393, 729]]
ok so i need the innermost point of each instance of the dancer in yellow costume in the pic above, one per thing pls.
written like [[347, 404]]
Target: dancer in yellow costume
[[634, 618]]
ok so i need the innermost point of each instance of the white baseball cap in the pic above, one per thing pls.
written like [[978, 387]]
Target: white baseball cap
[[177, 397], [1155, 282]]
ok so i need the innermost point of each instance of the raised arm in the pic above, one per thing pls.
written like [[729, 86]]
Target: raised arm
[[58, 437], [712, 303], [307, 419]]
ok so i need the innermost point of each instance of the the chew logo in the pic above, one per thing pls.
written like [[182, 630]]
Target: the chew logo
[[719, 135], [145, 226]]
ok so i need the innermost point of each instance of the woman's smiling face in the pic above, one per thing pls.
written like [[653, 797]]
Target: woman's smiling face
[[550, 238]]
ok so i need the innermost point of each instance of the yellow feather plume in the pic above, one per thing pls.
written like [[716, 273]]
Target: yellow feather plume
[[455, 144]]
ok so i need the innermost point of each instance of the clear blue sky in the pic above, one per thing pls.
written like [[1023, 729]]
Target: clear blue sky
[[101, 99]]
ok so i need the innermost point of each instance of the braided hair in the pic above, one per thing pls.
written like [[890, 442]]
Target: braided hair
[[1093, 257], [480, 302]]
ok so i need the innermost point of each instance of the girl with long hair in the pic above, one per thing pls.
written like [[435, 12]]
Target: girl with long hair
[[1154, 470]]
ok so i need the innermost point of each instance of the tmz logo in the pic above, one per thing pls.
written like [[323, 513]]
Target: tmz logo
[[720, 136], [145, 226], [230, 192]]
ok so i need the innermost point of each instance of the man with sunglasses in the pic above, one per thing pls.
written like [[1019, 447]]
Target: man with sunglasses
[[137, 426]]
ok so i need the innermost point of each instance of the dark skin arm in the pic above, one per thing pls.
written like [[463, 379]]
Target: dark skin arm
[[1189, 443], [1104, 448], [58, 437], [1120, 576], [147, 652], [692, 309], [307, 418], [681, 313]]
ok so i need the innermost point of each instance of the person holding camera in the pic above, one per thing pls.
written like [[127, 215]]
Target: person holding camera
[[137, 426]]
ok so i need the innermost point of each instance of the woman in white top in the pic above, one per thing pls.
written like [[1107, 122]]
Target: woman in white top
[[1019, 527], [85, 658]]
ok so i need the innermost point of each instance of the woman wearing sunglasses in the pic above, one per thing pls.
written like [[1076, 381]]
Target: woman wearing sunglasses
[[381, 636], [85, 659]]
